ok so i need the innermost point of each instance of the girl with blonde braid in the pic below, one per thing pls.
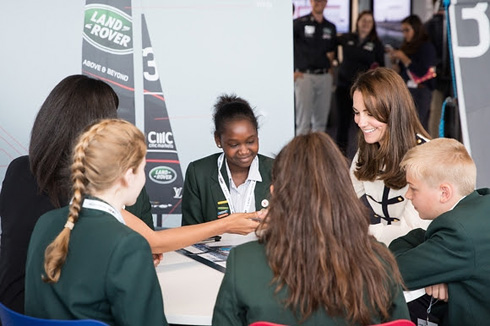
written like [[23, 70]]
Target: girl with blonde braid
[[89, 270]]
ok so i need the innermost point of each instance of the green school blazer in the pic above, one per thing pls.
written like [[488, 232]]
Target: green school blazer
[[202, 191], [108, 274], [455, 250], [246, 294]]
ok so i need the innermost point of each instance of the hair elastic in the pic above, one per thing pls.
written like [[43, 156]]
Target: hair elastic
[[69, 224]]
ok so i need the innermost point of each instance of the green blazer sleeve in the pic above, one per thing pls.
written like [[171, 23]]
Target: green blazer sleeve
[[226, 309], [142, 208], [409, 241], [262, 189], [399, 308], [134, 302], [445, 256], [191, 198]]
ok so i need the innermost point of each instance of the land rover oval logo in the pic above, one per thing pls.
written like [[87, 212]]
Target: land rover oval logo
[[163, 175], [108, 29]]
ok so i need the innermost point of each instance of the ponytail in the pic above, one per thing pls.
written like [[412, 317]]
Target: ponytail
[[56, 252]]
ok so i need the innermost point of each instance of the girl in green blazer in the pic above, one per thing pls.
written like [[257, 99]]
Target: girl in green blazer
[[236, 180], [314, 263], [92, 267]]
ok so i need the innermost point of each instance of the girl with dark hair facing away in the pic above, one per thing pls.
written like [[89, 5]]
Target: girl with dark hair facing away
[[361, 51], [314, 263], [416, 62], [236, 180], [388, 128], [40, 182], [89, 270]]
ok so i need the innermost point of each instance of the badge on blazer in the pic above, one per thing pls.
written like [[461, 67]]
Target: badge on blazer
[[223, 209], [264, 203]]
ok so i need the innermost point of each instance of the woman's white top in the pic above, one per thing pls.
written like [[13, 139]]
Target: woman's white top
[[395, 215]]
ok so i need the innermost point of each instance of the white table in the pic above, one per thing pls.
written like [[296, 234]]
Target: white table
[[189, 287]]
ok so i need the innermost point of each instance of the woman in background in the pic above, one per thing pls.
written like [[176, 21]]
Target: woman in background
[[96, 267], [314, 263], [236, 180], [361, 50], [416, 64], [388, 127]]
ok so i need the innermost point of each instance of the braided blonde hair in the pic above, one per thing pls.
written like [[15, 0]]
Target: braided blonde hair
[[101, 156]]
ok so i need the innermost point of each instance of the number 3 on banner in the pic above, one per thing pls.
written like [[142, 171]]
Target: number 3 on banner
[[150, 64], [477, 13]]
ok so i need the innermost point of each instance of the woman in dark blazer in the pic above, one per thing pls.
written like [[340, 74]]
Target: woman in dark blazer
[[38, 183]]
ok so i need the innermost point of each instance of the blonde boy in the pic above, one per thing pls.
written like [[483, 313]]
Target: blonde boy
[[455, 249]]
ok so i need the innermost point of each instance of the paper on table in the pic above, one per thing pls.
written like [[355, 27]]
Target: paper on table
[[221, 263], [193, 250], [214, 258], [215, 253], [412, 295]]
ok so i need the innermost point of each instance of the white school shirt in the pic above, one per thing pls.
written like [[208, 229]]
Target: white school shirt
[[239, 193]]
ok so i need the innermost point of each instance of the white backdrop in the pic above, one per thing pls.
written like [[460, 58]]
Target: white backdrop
[[202, 49]]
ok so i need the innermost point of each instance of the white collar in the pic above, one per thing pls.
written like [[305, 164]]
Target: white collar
[[458, 202], [103, 206]]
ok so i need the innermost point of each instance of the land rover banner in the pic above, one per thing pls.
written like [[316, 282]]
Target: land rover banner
[[107, 50], [107, 54], [164, 176], [470, 40]]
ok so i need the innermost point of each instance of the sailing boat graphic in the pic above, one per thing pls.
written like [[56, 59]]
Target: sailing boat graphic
[[162, 160], [108, 54]]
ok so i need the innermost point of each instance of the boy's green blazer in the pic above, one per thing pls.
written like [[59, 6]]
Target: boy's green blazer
[[454, 250]]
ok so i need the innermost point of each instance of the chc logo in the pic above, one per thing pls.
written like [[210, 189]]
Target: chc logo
[[160, 137], [162, 140], [162, 174]]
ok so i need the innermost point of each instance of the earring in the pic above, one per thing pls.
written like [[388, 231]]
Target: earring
[[219, 145]]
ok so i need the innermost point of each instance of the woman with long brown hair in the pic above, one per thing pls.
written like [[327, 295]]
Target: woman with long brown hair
[[388, 128], [361, 50], [314, 263]]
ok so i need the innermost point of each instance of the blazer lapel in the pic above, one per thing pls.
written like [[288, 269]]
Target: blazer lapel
[[215, 188]]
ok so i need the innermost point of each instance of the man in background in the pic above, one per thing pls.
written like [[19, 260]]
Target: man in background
[[315, 42]]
